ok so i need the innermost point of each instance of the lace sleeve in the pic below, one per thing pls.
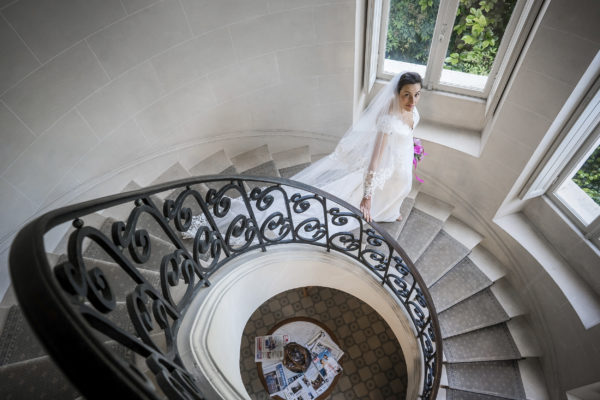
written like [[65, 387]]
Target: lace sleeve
[[371, 178]]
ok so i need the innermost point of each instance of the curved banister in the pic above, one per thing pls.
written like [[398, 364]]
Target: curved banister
[[70, 306]]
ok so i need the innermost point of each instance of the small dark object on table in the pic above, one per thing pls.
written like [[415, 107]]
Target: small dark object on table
[[296, 358]]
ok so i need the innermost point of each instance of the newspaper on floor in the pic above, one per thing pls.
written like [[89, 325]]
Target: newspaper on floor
[[300, 390], [269, 347], [323, 343], [275, 378], [317, 382], [327, 365]]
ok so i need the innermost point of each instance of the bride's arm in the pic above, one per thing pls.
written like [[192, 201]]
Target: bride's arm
[[369, 186]]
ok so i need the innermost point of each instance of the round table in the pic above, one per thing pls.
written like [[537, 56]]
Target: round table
[[301, 329]]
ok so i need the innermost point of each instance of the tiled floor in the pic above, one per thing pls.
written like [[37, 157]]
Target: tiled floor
[[374, 366]]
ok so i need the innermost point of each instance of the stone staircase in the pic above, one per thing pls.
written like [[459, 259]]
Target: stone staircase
[[488, 351]]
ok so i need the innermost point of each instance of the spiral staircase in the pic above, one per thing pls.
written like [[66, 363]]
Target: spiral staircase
[[488, 349]]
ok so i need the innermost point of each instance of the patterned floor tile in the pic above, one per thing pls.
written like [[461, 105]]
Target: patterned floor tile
[[374, 366]]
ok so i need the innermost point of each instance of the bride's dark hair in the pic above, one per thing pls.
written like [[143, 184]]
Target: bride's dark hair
[[408, 78]]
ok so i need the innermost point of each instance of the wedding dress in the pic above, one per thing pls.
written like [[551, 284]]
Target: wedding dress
[[389, 185], [374, 158]]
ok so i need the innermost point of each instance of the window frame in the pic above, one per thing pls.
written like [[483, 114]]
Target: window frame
[[590, 231], [515, 35], [578, 134]]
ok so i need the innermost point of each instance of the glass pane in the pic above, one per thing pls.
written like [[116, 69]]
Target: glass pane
[[478, 30], [410, 29], [581, 193]]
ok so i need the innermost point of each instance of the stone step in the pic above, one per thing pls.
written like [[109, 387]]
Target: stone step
[[487, 263], [453, 394], [533, 380], [158, 248], [17, 341], [443, 253], [394, 228], [476, 312], [317, 157], [214, 164], [173, 173], [251, 159], [432, 206], [217, 163], [487, 344], [120, 282], [256, 162], [521, 333], [462, 233], [506, 296], [418, 232], [493, 378], [37, 378], [290, 162], [461, 282], [96, 220]]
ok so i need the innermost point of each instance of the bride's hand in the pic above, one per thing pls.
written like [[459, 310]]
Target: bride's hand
[[365, 208]]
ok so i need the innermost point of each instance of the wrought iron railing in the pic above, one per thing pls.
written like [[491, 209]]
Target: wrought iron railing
[[98, 340]]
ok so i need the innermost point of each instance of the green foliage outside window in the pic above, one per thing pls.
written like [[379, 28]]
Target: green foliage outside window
[[588, 177], [410, 29], [477, 32]]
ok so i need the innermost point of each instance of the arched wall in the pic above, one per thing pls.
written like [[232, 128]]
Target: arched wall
[[88, 86]]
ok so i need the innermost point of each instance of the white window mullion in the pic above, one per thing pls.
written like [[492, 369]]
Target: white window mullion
[[517, 30], [373, 54], [439, 43]]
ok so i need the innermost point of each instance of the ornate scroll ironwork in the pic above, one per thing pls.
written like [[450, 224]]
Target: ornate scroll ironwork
[[122, 288]]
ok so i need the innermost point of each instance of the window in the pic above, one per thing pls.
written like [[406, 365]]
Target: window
[[570, 173], [577, 189], [458, 46]]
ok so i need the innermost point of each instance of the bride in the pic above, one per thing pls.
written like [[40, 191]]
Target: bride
[[371, 167]]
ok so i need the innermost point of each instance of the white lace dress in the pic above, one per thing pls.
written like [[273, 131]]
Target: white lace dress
[[348, 173], [389, 185]]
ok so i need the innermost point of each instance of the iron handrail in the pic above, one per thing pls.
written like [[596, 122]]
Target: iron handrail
[[69, 305]]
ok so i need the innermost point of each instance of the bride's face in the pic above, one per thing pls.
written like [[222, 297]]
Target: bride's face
[[409, 96]]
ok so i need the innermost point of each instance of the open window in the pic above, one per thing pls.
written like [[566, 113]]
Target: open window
[[570, 172], [458, 46]]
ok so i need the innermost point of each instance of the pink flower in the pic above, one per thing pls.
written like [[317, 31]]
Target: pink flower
[[419, 152]]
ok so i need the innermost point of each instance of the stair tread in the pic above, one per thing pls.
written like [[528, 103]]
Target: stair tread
[[293, 157], [497, 378], [158, 248], [173, 173], [289, 172], [394, 228], [119, 281], [443, 253], [17, 341], [490, 343], [476, 312], [461, 282], [252, 158], [35, 379], [216, 163], [265, 169], [455, 394], [419, 231]]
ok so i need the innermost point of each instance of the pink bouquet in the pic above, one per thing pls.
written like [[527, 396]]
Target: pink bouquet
[[418, 155]]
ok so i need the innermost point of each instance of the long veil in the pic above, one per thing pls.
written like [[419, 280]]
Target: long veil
[[354, 150], [351, 156]]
